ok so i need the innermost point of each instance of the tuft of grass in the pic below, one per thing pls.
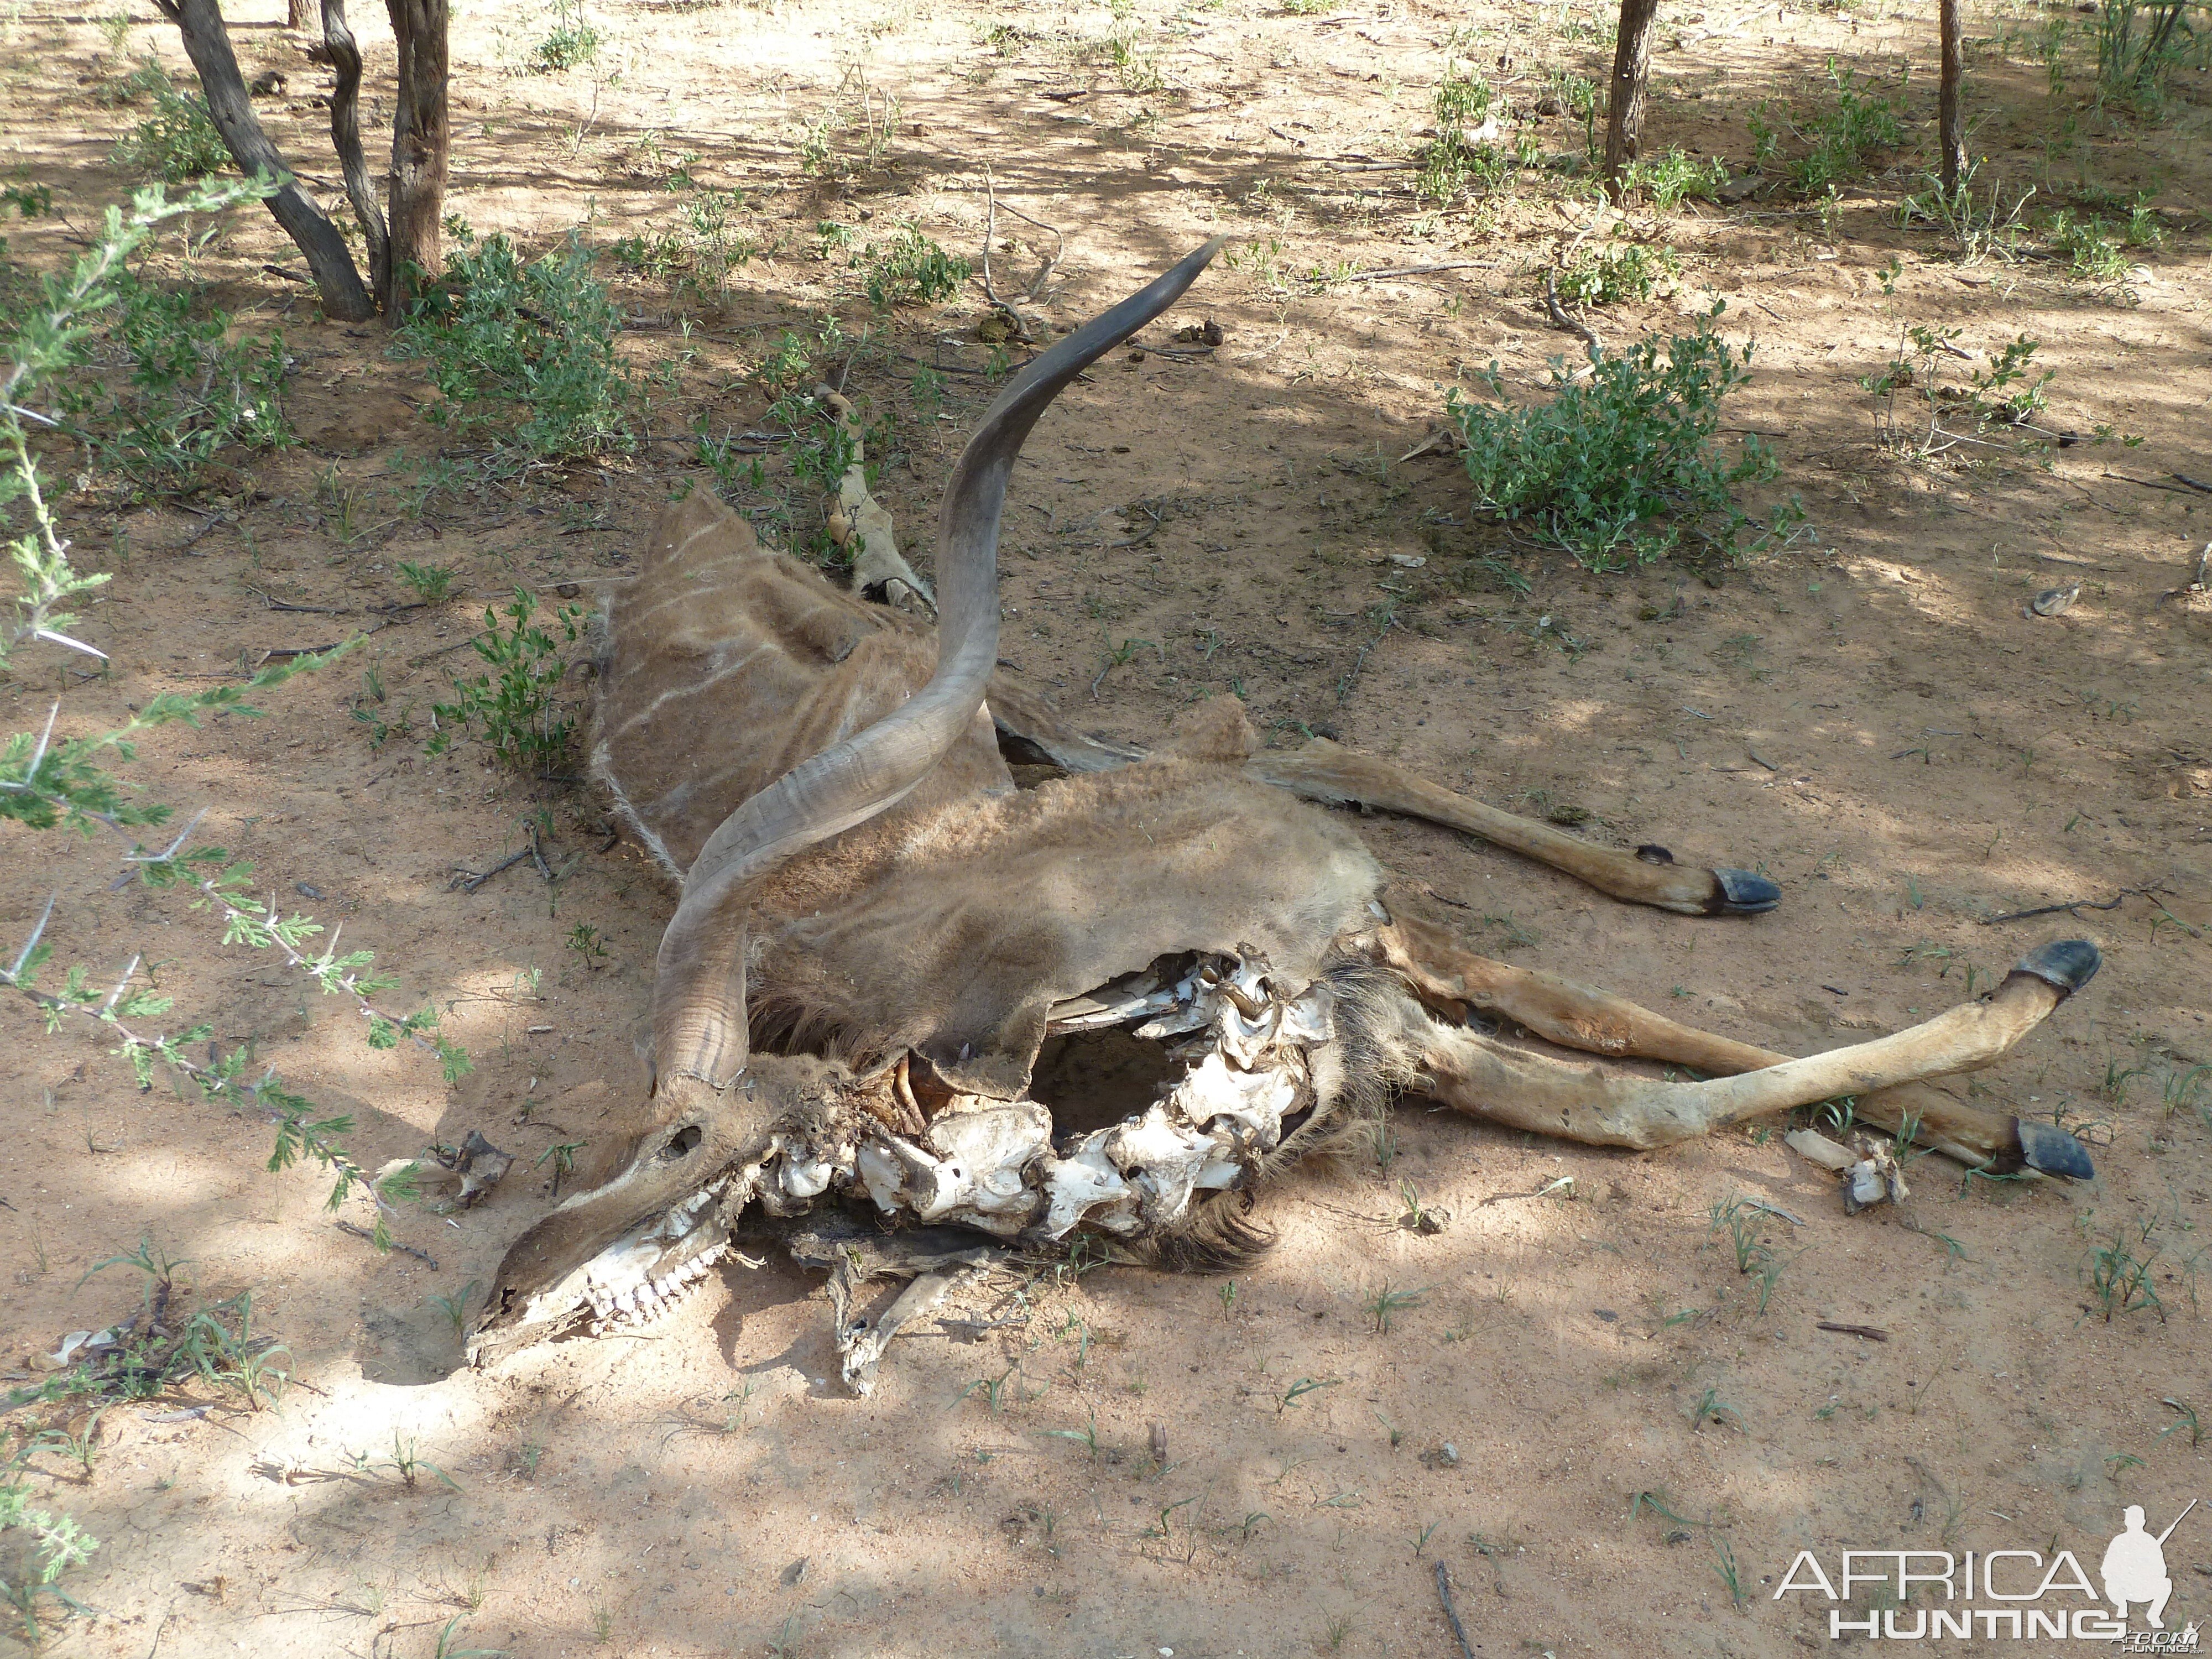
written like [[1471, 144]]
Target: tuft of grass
[[1618, 468], [570, 44], [1844, 135], [1386, 1304], [1711, 1408]]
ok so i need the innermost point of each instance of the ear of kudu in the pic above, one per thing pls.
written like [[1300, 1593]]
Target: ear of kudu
[[1322, 771], [699, 994], [1609, 1107]]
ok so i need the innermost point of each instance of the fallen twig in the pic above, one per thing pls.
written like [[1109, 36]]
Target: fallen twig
[[468, 884], [404, 1249], [1422, 270], [1562, 319], [2194, 483], [1451, 1611], [1866, 1331], [2071, 907]]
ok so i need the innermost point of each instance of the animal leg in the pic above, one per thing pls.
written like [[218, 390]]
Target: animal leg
[[1607, 1108], [1322, 771], [1576, 1017]]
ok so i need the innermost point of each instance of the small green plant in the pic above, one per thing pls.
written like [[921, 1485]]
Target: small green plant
[[2140, 42], [171, 389], [1299, 1389], [1670, 180], [1711, 1408], [1386, 1304], [1978, 226], [1617, 270], [449, 1636], [1724, 1565], [523, 350], [571, 43], [513, 705], [1086, 1436], [42, 1544], [584, 939], [1846, 136], [561, 1155], [1457, 156], [176, 142], [910, 270], [2184, 1422], [2124, 1267], [1617, 469], [431, 583], [455, 1307], [2006, 392]]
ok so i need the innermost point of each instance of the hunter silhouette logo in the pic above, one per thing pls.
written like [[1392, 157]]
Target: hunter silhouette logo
[[2015, 1594], [2134, 1568]]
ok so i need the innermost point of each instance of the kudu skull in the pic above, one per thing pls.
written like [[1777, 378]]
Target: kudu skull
[[1115, 1002]]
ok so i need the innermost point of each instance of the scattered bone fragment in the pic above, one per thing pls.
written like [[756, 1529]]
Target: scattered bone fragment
[[1875, 1176], [1812, 1144]]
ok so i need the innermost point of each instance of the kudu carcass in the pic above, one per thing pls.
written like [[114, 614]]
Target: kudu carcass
[[1116, 1003]]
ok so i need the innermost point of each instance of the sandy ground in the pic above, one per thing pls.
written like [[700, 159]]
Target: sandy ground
[[1866, 716]]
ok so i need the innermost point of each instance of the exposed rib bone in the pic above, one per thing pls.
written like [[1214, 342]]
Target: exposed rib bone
[[1604, 1107], [1596, 1021]]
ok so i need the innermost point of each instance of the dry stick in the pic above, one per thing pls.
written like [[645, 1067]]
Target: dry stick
[[1866, 1331], [2194, 483], [1561, 319], [1422, 270], [404, 1249], [470, 884], [1451, 1611], [2071, 907]]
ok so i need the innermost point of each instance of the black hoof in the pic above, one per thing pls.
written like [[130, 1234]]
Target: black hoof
[[2054, 1151], [2066, 964], [1743, 894]]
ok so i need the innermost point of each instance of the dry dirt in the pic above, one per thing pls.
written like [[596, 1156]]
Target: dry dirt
[[1866, 715]]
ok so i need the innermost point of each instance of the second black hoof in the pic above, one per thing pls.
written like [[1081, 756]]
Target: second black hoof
[[2054, 1151], [1740, 893], [2065, 964]]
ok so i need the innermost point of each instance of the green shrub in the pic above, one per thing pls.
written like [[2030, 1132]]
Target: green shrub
[[1617, 270], [178, 141], [2140, 42], [911, 269], [1844, 138], [1616, 468], [572, 43], [1455, 158], [183, 390], [524, 350], [513, 705], [1669, 180]]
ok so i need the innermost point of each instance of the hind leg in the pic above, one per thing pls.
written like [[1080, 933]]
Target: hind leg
[[1602, 1106], [1576, 1017]]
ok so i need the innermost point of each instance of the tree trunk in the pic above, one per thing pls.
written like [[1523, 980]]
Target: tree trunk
[[207, 42], [1950, 121], [345, 138], [298, 13], [1624, 110], [422, 140]]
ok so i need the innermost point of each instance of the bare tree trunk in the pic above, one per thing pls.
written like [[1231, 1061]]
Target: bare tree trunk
[[421, 142], [1624, 110], [207, 42], [345, 138], [298, 13], [1950, 121]]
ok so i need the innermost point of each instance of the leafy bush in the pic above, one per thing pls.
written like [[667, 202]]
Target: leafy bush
[[1617, 270], [1844, 138], [1455, 157], [2140, 42], [176, 143], [572, 42], [1669, 180], [911, 269], [513, 705], [1616, 468], [2092, 253], [525, 351], [2008, 392], [185, 390]]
